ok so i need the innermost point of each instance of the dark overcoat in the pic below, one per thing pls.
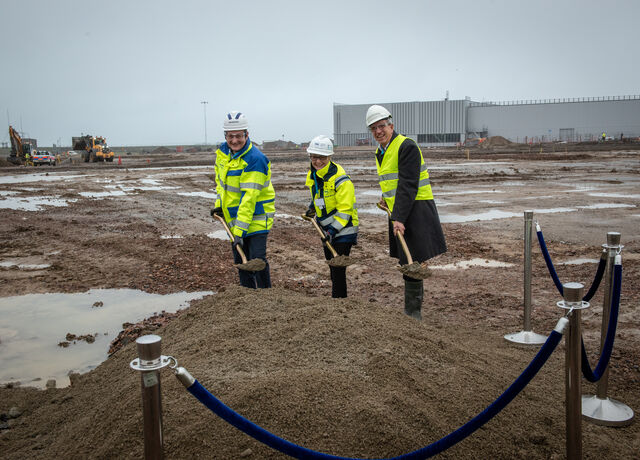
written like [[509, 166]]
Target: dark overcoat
[[423, 232]]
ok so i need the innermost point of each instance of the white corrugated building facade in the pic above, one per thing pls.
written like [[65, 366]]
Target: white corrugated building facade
[[449, 122]]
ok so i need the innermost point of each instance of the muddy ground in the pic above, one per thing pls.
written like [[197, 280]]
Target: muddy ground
[[350, 377]]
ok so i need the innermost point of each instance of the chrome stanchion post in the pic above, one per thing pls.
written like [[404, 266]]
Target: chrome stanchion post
[[599, 408], [149, 362], [573, 367], [527, 336]]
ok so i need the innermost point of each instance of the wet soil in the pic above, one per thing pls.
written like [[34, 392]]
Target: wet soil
[[351, 377]]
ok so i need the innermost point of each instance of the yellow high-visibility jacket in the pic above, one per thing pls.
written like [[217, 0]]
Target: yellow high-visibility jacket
[[244, 189], [334, 200]]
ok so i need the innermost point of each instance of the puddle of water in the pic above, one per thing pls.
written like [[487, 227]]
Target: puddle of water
[[219, 235], [210, 195], [615, 195], [441, 204], [103, 194], [553, 210], [33, 203], [371, 193], [464, 165], [607, 206], [36, 178], [491, 201], [470, 192], [580, 262], [169, 237], [147, 188], [8, 193], [11, 264], [495, 214], [31, 326], [463, 265], [287, 216], [177, 168], [489, 215], [371, 210]]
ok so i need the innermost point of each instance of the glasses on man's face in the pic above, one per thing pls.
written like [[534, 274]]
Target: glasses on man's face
[[317, 157], [234, 136], [375, 128]]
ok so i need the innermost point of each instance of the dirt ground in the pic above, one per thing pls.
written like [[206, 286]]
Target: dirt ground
[[352, 377]]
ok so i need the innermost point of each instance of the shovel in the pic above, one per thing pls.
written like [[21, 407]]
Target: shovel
[[336, 260], [412, 269], [254, 265]]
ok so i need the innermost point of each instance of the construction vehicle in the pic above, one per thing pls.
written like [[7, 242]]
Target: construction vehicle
[[21, 150], [93, 148]]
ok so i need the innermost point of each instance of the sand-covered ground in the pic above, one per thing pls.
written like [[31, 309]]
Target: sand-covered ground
[[351, 377]]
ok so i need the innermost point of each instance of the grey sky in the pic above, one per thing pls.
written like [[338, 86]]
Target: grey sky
[[135, 71]]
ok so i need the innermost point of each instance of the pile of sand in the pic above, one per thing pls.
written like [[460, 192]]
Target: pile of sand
[[495, 141], [344, 377], [161, 150]]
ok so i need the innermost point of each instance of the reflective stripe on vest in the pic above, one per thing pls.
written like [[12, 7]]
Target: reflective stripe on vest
[[388, 174]]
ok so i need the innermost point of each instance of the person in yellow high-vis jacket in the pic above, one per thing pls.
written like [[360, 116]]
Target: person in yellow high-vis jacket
[[246, 198], [406, 191], [333, 205]]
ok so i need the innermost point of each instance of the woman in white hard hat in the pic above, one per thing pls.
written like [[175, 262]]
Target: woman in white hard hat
[[333, 205]]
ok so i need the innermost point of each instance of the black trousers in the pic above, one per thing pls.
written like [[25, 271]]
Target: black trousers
[[254, 247], [338, 274]]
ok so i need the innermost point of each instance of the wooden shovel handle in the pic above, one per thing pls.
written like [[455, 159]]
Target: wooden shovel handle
[[403, 243], [226, 227], [322, 234]]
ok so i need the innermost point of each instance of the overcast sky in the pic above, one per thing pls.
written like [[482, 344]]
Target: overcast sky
[[136, 71]]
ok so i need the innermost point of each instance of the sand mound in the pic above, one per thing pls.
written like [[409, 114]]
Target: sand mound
[[161, 150], [496, 141], [345, 377]]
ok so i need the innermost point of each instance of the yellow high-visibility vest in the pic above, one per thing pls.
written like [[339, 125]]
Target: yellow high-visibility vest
[[388, 174]]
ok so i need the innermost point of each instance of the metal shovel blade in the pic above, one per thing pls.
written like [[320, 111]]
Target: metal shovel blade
[[415, 271], [340, 261], [253, 265]]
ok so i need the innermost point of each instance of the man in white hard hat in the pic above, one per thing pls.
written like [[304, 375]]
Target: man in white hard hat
[[333, 205], [406, 191], [246, 198]]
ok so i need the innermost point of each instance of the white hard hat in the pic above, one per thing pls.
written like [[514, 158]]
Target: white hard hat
[[235, 121], [376, 113], [321, 145]]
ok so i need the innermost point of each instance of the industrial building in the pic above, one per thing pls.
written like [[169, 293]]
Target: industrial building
[[449, 122]]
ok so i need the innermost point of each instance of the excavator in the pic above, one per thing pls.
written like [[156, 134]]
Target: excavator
[[21, 152], [93, 148]]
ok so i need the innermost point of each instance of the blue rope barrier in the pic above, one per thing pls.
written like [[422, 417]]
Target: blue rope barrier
[[552, 271], [550, 267], [605, 355], [598, 278], [293, 450]]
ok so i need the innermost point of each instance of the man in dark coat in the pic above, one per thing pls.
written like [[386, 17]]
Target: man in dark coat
[[406, 191]]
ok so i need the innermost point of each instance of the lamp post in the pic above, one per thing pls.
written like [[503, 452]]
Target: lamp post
[[204, 105]]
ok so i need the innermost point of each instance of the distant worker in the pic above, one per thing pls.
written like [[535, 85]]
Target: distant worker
[[604, 137], [246, 198], [333, 205], [406, 191]]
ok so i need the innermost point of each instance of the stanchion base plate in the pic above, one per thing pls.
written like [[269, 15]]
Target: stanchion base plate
[[526, 338], [608, 412]]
